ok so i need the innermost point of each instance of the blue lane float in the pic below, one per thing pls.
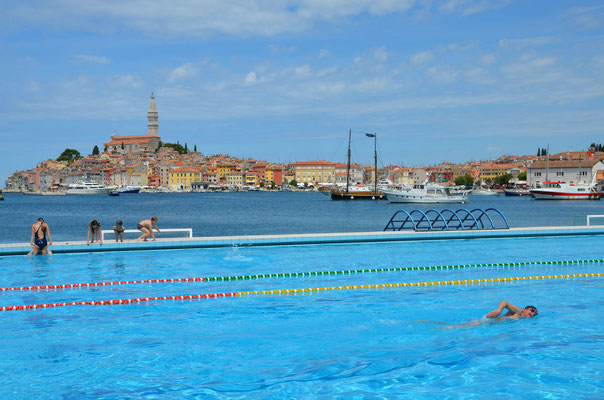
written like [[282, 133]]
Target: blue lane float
[[447, 220]]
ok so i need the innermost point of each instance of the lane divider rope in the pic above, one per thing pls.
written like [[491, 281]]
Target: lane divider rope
[[297, 274], [296, 291]]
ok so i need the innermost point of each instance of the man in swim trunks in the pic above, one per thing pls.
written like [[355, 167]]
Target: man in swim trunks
[[513, 311], [146, 227], [38, 240]]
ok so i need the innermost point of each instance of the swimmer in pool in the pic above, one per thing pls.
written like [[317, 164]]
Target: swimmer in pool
[[514, 312]]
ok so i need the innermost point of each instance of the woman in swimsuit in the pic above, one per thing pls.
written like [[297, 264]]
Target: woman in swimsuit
[[94, 232], [38, 240]]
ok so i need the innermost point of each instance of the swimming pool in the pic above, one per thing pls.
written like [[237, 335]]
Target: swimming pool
[[363, 343]]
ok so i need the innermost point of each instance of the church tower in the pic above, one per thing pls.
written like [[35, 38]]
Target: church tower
[[152, 119]]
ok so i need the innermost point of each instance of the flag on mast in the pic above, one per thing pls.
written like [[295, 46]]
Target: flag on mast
[[369, 135]]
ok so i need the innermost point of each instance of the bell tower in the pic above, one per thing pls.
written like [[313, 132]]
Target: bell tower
[[152, 119]]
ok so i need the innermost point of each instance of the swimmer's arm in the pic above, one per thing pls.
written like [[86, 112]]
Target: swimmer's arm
[[49, 237], [512, 309], [32, 236], [157, 229]]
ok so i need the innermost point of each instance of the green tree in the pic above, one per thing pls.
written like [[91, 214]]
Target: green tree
[[69, 155], [95, 151], [104, 148], [195, 148], [522, 176], [464, 180], [503, 179], [262, 184], [186, 149], [177, 147], [123, 147], [293, 183]]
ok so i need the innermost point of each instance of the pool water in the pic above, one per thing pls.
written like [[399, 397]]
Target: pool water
[[367, 343]]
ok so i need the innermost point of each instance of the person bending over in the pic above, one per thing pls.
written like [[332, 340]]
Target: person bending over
[[94, 232], [146, 227], [119, 229], [38, 240], [513, 311]]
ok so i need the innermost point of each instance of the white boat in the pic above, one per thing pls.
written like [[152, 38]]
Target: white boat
[[485, 192], [425, 193], [566, 191], [87, 188], [129, 189], [44, 193]]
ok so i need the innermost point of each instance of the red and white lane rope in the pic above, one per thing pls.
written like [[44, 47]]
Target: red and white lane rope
[[297, 291]]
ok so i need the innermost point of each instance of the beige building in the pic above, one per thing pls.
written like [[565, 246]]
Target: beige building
[[315, 172]]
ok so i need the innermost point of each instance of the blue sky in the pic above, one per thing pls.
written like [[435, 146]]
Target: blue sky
[[450, 80]]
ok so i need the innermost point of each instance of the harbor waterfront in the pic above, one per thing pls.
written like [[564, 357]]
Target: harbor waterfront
[[252, 213]]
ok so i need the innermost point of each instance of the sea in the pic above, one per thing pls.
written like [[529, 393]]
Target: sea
[[254, 213]]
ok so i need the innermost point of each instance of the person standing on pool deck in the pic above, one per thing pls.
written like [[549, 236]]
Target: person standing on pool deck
[[119, 229], [146, 227], [94, 232], [39, 230], [513, 311]]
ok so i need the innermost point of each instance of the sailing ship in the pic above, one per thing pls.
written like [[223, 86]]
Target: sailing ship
[[348, 193]]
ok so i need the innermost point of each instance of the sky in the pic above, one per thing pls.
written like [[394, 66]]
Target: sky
[[284, 81]]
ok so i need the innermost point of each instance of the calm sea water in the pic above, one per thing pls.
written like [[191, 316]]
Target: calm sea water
[[251, 213]]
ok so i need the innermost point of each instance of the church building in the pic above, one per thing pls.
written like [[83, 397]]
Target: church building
[[148, 142]]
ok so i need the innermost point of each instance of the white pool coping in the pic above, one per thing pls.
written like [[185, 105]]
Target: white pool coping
[[301, 239]]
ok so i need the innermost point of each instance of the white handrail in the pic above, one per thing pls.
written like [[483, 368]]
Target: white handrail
[[593, 216], [189, 231]]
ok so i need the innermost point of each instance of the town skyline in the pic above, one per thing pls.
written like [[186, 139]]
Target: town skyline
[[438, 81]]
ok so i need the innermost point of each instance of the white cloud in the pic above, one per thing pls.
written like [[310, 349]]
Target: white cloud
[[184, 71], [442, 74], [489, 59], [323, 53], [92, 59], [127, 81], [422, 58], [525, 42], [200, 18], [380, 54], [303, 71], [250, 78], [33, 86]]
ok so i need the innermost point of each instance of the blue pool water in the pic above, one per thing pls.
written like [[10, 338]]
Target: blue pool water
[[369, 343]]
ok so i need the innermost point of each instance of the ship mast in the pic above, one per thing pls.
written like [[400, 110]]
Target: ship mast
[[375, 177], [348, 164]]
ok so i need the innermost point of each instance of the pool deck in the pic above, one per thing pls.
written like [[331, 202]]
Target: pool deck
[[302, 239]]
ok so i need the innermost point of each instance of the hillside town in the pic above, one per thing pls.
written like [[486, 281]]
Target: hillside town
[[145, 161]]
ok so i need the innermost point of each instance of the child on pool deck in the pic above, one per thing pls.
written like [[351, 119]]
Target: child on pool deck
[[119, 229]]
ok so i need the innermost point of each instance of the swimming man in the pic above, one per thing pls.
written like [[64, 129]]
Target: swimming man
[[146, 227], [38, 240], [513, 311]]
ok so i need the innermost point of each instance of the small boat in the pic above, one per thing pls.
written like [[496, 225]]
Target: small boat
[[516, 192], [1, 198], [425, 193], [44, 193], [129, 189], [484, 192], [114, 193], [566, 191]]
